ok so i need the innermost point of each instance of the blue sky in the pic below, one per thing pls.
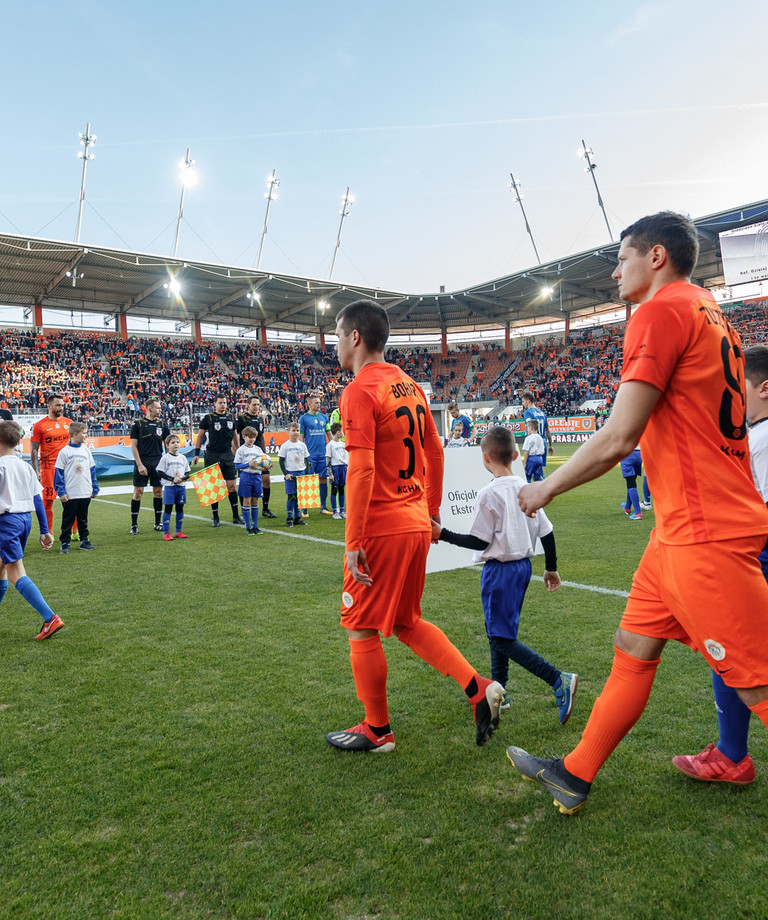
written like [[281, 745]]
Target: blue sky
[[423, 109]]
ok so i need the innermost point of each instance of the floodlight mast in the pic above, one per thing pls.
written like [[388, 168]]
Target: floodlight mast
[[515, 187], [86, 140], [186, 178], [586, 153], [272, 183], [346, 203]]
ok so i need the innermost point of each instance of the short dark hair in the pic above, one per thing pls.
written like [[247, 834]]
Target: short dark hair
[[54, 396], [10, 433], [369, 319], [249, 432], [499, 444], [527, 394], [335, 427], [219, 396], [674, 232], [756, 364]]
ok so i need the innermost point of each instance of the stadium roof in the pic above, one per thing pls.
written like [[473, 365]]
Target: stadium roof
[[69, 276]]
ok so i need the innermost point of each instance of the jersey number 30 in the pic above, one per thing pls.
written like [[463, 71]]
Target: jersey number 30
[[421, 413]]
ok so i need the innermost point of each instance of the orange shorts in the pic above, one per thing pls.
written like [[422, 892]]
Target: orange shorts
[[398, 567], [46, 481], [710, 596]]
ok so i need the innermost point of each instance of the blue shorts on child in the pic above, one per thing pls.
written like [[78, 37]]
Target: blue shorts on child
[[174, 495], [502, 589], [339, 474], [250, 485], [14, 531], [290, 484]]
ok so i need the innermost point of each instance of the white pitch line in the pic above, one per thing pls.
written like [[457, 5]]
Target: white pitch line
[[305, 536], [197, 517]]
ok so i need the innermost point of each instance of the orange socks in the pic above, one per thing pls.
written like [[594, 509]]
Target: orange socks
[[761, 711], [369, 669], [616, 710], [433, 646]]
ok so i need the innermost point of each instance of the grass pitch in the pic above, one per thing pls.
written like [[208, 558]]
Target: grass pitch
[[164, 755]]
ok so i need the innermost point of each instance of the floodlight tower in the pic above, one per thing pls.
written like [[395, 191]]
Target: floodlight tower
[[272, 183], [188, 176], [86, 140], [586, 153], [515, 187], [346, 203]]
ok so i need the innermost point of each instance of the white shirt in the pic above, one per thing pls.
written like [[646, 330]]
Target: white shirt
[[245, 454], [18, 485], [758, 456], [173, 467], [534, 444], [499, 520], [295, 454], [76, 461], [457, 442], [337, 454]]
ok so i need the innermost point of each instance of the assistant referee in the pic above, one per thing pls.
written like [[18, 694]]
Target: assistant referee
[[223, 441]]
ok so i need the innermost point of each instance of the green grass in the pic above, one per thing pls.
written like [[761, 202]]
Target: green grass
[[164, 755]]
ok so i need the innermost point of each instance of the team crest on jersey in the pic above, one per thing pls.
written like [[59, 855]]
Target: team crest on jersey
[[217, 426], [57, 425], [714, 649], [347, 599], [159, 431], [230, 424]]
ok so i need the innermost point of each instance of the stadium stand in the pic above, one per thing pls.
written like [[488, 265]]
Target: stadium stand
[[105, 380]]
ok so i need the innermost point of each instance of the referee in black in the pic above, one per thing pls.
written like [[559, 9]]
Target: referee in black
[[253, 418], [148, 436], [223, 441]]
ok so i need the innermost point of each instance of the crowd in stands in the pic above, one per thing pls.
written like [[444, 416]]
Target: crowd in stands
[[105, 380]]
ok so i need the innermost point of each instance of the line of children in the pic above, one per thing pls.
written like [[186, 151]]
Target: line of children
[[504, 539], [74, 479], [249, 487], [293, 456], [20, 494], [173, 469], [337, 459]]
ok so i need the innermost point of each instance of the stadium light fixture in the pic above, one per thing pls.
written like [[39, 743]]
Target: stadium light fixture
[[547, 291], [514, 187], [586, 154], [188, 178], [87, 141], [346, 203], [272, 184], [173, 287]]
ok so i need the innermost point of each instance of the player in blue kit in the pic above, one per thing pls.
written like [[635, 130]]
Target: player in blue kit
[[173, 470], [249, 487], [312, 426], [532, 411]]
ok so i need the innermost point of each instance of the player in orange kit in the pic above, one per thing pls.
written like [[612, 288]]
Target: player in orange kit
[[394, 484], [699, 580], [49, 435]]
